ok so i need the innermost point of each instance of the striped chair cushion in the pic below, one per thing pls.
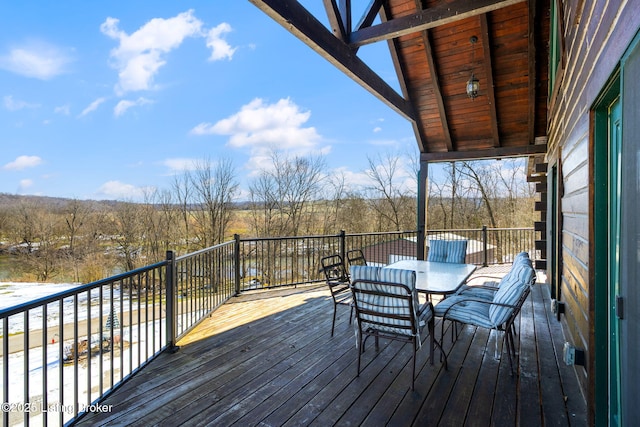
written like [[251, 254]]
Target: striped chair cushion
[[405, 277], [453, 251], [387, 304], [464, 310], [481, 291], [511, 288], [437, 251], [364, 272], [456, 251], [485, 292]]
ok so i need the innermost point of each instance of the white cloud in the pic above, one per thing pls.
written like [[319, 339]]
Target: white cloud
[[180, 164], [23, 162], [140, 55], [377, 129], [220, 49], [121, 191], [63, 109], [262, 125], [124, 105], [92, 107], [39, 60], [16, 104]]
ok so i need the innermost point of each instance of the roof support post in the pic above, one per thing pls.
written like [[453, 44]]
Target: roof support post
[[423, 180]]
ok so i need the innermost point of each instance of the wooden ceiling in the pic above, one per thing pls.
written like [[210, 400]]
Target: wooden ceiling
[[430, 44]]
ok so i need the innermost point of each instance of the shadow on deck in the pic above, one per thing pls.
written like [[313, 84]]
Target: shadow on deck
[[268, 359]]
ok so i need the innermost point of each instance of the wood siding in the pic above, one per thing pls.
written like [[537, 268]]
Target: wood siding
[[596, 35]]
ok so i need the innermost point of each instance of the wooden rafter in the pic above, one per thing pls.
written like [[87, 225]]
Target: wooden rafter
[[488, 69], [302, 24], [402, 80], [336, 20], [369, 14], [437, 92], [426, 19]]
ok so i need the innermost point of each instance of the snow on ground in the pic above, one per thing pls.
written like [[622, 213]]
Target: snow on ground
[[46, 370]]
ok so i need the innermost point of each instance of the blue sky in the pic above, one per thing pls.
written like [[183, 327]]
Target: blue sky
[[101, 100]]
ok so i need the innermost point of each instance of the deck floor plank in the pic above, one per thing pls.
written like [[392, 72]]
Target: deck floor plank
[[529, 398], [267, 358]]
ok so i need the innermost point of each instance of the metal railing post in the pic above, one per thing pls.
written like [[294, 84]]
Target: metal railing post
[[343, 239], [171, 302], [484, 247], [236, 261]]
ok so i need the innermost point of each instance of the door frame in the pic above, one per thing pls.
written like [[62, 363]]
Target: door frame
[[603, 382]]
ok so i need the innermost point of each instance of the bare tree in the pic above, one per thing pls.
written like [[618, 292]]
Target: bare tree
[[389, 197], [129, 228], [214, 187], [76, 214], [183, 192], [282, 195]]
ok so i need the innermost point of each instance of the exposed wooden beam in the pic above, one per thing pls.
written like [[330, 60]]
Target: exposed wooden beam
[[302, 24], [485, 37], [370, 14], [437, 92], [418, 126], [533, 7], [491, 153], [336, 22], [426, 19]]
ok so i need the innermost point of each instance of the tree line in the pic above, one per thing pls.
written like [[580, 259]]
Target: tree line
[[83, 241]]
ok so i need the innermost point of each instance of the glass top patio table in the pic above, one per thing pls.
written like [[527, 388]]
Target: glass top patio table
[[436, 277]]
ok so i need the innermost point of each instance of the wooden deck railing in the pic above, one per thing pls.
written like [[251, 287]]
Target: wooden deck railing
[[63, 354]]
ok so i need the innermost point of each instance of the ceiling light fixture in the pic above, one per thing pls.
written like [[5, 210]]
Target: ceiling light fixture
[[473, 84]]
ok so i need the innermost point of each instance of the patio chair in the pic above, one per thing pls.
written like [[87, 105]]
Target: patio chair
[[386, 302], [337, 279], [497, 313], [356, 257], [453, 251]]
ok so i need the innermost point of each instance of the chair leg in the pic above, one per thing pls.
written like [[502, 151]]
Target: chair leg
[[441, 338], [431, 326], [413, 371], [506, 338], [360, 350], [333, 324]]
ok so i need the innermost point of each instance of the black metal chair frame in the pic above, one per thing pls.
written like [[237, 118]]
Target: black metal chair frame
[[356, 257], [406, 296], [338, 281]]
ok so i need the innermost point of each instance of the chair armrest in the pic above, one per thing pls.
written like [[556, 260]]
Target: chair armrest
[[495, 278]]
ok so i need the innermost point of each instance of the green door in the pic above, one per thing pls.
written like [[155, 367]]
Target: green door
[[615, 141]]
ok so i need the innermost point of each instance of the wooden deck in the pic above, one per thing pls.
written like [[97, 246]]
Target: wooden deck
[[268, 359]]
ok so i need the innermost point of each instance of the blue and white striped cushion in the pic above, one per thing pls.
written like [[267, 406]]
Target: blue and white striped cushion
[[437, 251], [512, 286], [456, 251], [485, 292], [387, 304], [405, 277], [364, 272], [463, 310]]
